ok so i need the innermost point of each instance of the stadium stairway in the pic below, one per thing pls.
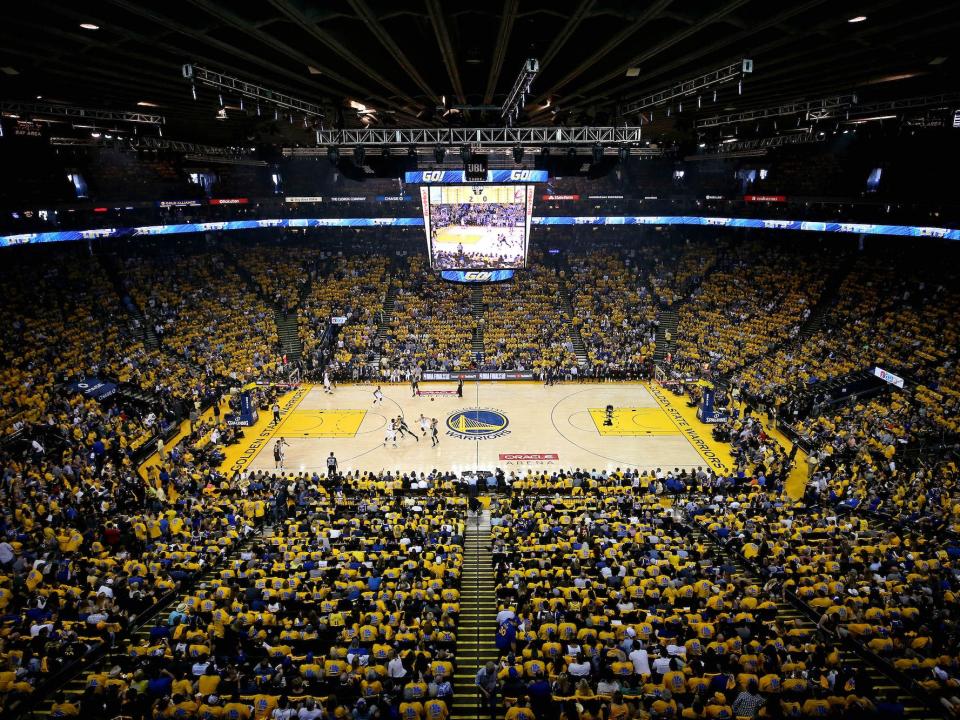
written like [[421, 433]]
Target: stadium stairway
[[386, 315], [245, 276], [818, 313], [669, 319], [477, 309], [576, 339], [147, 333], [288, 328], [825, 302], [477, 627], [288, 323], [802, 617]]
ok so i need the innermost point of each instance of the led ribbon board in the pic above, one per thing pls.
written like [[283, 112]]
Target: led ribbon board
[[804, 225]]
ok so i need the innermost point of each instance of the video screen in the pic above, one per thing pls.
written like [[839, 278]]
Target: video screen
[[477, 227]]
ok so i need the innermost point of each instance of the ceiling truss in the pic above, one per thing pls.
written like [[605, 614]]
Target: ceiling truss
[[481, 136]]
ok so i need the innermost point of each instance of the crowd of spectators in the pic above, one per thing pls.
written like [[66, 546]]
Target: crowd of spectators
[[431, 326], [204, 313], [614, 311], [888, 451], [891, 593], [609, 606], [345, 609], [591, 566], [757, 297], [351, 287], [525, 325]]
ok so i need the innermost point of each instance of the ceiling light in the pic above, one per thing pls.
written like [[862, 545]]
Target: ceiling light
[[858, 18], [939, 60], [89, 26], [633, 72], [144, 103], [313, 71], [39, 97], [94, 134], [358, 106], [7, 70], [893, 78], [861, 121]]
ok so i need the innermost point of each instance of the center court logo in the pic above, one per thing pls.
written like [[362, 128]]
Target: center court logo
[[477, 424]]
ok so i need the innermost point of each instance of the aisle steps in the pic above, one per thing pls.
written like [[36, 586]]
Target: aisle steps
[[576, 339], [478, 618], [669, 319], [386, 315], [788, 613], [74, 688], [288, 329], [477, 309]]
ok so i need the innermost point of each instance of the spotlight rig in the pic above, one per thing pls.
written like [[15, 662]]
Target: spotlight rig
[[517, 98]]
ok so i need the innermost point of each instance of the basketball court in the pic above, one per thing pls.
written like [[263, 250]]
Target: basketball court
[[511, 425]]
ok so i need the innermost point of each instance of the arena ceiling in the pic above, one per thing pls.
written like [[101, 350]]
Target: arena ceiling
[[404, 60]]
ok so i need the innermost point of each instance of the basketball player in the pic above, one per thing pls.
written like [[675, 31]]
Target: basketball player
[[391, 436], [415, 382], [278, 453], [378, 396], [434, 437], [424, 424], [402, 428], [460, 386], [326, 383]]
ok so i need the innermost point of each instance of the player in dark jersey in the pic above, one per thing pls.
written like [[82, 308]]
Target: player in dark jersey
[[401, 425]]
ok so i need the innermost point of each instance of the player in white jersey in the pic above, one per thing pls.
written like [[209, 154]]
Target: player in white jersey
[[378, 396], [424, 424], [326, 383], [391, 436]]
